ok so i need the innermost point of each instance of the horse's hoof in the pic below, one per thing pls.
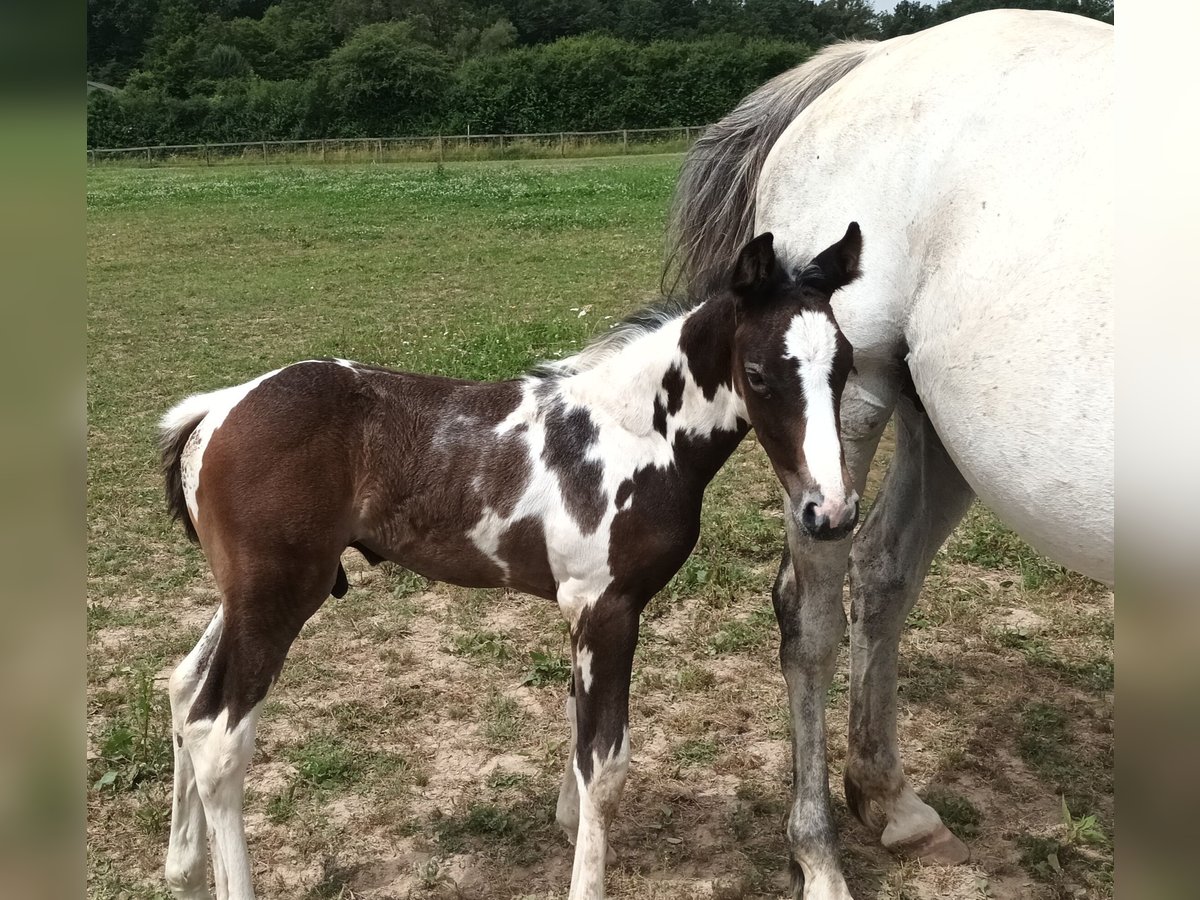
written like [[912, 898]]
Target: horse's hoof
[[939, 846]]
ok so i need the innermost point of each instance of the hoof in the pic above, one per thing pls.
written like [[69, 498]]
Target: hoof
[[940, 846]]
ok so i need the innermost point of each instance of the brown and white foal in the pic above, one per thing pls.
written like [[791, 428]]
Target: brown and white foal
[[580, 483]]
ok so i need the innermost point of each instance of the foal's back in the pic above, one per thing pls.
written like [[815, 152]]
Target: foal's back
[[310, 459]]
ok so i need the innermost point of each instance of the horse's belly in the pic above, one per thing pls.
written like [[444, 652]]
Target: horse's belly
[[1022, 398]]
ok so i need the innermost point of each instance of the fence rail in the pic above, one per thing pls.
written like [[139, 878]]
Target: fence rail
[[423, 148]]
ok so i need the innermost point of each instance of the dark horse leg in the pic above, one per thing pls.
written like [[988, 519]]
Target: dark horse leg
[[216, 694], [923, 497], [812, 620], [603, 640]]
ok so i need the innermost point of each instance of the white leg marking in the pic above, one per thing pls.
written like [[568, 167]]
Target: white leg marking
[[583, 658], [220, 755], [187, 852], [567, 812], [597, 805], [812, 341]]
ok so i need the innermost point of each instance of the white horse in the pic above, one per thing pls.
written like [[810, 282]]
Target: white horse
[[979, 156]]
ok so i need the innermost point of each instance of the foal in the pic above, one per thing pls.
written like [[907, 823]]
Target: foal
[[580, 483]]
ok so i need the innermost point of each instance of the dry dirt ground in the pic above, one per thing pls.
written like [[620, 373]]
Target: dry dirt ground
[[414, 744]]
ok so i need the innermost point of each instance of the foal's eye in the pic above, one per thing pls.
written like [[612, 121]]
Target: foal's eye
[[754, 377]]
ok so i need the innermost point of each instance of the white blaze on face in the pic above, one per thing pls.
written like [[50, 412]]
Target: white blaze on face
[[811, 340]]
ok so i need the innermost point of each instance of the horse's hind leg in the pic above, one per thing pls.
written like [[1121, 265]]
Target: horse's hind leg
[[923, 497], [567, 810], [187, 853], [261, 616]]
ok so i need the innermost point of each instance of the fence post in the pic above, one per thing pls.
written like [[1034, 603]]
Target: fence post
[[91, 157], [207, 161], [501, 145], [378, 151], [562, 144], [624, 140], [441, 151]]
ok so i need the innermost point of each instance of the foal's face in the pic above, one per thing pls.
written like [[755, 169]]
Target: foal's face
[[791, 362]]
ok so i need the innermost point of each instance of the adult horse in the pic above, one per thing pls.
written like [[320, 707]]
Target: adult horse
[[979, 156]]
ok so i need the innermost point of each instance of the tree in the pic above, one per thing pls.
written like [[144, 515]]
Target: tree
[[386, 81]]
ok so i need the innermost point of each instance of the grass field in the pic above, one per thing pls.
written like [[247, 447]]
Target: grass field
[[414, 743]]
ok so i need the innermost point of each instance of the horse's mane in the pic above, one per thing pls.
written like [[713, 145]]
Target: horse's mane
[[611, 342]]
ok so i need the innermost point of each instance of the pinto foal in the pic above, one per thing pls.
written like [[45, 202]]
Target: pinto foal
[[580, 483]]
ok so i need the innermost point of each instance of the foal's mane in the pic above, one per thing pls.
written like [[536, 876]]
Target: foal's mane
[[611, 342]]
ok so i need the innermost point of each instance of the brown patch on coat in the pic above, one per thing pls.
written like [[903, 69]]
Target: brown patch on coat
[[709, 362], [523, 548], [569, 436]]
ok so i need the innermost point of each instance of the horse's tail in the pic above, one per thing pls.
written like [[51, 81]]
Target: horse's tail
[[712, 213], [174, 430]]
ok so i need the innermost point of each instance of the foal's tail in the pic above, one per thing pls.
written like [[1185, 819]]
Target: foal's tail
[[712, 214], [175, 428]]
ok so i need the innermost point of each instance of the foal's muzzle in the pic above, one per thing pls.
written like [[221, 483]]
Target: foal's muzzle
[[826, 519]]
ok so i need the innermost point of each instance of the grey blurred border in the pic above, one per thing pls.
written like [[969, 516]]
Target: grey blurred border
[[1158, 450], [42, 347]]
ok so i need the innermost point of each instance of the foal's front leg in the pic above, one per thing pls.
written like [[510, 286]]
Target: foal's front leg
[[808, 604], [604, 637]]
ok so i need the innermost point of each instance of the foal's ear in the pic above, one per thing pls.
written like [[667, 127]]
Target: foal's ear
[[835, 266], [756, 270]]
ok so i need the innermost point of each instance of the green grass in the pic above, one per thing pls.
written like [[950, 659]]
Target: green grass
[[503, 720], [482, 645], [984, 541], [547, 668], [134, 745], [697, 751]]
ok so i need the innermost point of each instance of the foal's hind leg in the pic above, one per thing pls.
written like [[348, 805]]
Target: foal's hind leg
[[923, 497], [187, 853], [567, 810], [604, 638], [262, 614]]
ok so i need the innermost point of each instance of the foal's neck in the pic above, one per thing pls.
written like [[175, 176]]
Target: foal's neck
[[673, 379]]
